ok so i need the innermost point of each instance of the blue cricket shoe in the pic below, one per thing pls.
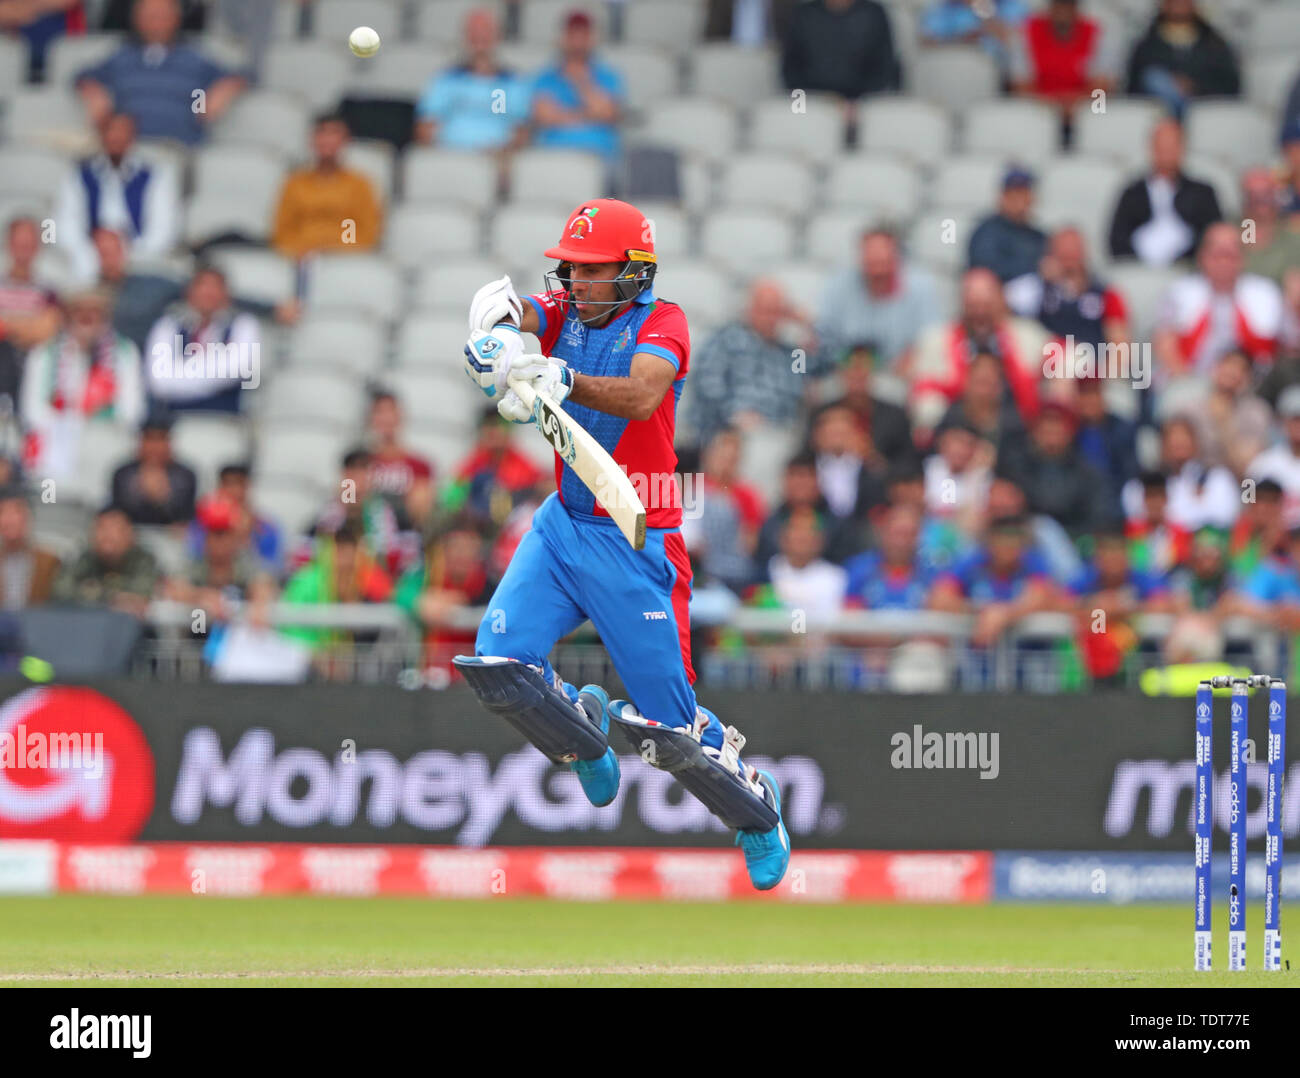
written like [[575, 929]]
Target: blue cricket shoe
[[767, 853], [599, 777]]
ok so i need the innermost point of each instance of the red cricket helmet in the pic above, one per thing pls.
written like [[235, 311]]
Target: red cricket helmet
[[607, 230]]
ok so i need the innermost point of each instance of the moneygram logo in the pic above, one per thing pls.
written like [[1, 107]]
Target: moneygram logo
[[106, 796]]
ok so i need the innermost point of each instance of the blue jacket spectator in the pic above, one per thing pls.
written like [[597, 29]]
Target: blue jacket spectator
[[577, 103], [957, 22], [477, 105], [895, 577], [155, 80], [1006, 242]]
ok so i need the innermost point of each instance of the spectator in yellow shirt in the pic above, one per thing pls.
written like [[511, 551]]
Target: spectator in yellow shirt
[[325, 206]]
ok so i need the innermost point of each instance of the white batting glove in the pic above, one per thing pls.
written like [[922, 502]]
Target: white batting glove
[[494, 303], [489, 356], [512, 408], [547, 375]]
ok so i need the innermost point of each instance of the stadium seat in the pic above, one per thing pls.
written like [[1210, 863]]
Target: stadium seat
[[355, 281], [763, 456], [48, 117], [222, 213], [403, 70], [289, 500], [521, 233], [695, 124], [374, 159], [1269, 78], [941, 239], [954, 75], [1225, 180], [740, 239], [38, 205], [209, 442], [918, 130], [1274, 28], [426, 339], [450, 287], [334, 20], [337, 342], [69, 55], [672, 24], [671, 230], [649, 75], [284, 25], [431, 397], [1235, 132], [274, 119], [816, 133], [832, 235], [1017, 130], [968, 183], [556, 178], [255, 275], [31, 171], [1076, 182], [431, 174], [324, 398], [419, 231], [735, 74], [766, 181], [705, 292], [874, 183], [804, 283], [442, 21], [251, 174], [1122, 132], [1143, 288], [104, 447], [540, 21], [446, 449], [315, 71], [13, 66]]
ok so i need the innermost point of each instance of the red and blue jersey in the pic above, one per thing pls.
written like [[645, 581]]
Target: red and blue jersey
[[643, 448]]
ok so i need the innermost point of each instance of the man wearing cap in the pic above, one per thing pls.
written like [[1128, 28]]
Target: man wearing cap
[[578, 102], [1006, 242], [615, 357]]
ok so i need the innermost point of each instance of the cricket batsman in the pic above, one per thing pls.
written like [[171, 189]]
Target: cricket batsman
[[615, 358]]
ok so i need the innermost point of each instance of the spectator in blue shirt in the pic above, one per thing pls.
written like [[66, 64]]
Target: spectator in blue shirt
[[895, 577], [1007, 242], [1275, 580], [479, 104], [993, 26], [156, 80], [578, 102]]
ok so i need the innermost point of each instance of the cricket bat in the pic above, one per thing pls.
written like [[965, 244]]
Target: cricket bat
[[580, 451]]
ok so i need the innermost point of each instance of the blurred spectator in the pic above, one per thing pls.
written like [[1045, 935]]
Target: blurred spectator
[[957, 475], [1106, 441], [155, 488], [1056, 478], [1049, 539], [748, 22], [1291, 107], [327, 206], [800, 491], [852, 483], [119, 189], [139, 299], [895, 577], [1197, 495], [200, 357], [398, 473], [450, 580], [941, 543], [1161, 217], [1006, 242], [1182, 56], [341, 570], [1260, 530], [494, 478], [1001, 583], [27, 571], [229, 505], [881, 299], [944, 353], [29, 312], [1062, 57], [801, 578], [1157, 545], [841, 47], [170, 89], [577, 103], [1196, 593], [722, 527], [116, 16], [479, 104], [984, 405], [993, 25], [1219, 308], [363, 509], [1232, 422], [1281, 463], [1272, 585], [86, 374], [40, 23], [225, 572], [113, 571], [1275, 246], [883, 424], [748, 373], [1291, 155], [1066, 297]]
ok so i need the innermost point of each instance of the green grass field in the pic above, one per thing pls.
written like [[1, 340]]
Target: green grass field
[[106, 941]]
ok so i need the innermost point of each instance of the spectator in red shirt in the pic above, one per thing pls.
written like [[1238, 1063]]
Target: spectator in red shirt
[[1062, 57], [495, 477], [402, 477]]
